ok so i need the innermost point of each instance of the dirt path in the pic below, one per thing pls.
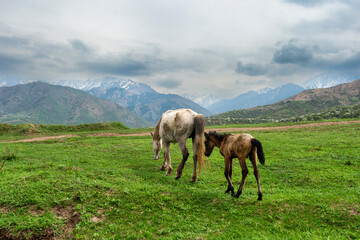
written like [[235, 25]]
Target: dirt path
[[310, 125]]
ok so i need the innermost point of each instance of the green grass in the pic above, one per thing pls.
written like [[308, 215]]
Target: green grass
[[111, 188]]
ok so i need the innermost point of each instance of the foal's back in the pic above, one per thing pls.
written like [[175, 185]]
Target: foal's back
[[238, 144]]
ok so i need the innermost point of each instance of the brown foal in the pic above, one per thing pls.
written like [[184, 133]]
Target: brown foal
[[238, 146]]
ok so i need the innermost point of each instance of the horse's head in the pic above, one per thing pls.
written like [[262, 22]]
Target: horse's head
[[209, 144], [157, 145]]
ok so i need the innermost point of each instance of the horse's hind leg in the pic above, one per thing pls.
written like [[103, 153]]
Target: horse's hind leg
[[228, 173], [256, 171], [244, 173], [185, 153], [194, 177], [167, 158]]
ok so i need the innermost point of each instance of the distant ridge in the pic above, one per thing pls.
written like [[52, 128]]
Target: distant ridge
[[329, 79], [256, 98], [40, 102], [306, 102]]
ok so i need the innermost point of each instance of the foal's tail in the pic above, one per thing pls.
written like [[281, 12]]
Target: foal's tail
[[260, 151], [199, 128]]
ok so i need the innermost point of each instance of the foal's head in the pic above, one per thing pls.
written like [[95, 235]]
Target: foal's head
[[213, 139], [157, 145], [209, 143]]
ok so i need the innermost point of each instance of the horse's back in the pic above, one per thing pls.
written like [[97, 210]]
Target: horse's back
[[177, 124]]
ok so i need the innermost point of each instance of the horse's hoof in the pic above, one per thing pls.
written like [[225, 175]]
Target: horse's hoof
[[168, 171], [260, 197], [162, 169], [237, 195], [177, 177], [230, 189], [194, 179]]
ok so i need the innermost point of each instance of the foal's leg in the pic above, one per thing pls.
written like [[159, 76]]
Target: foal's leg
[[185, 153], [244, 173], [167, 158], [228, 173], [256, 171]]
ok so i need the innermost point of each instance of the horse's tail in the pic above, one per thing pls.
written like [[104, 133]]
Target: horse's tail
[[199, 128], [260, 151]]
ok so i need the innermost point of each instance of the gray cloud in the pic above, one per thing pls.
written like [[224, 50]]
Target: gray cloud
[[251, 69], [9, 64], [6, 41], [309, 3], [117, 66], [294, 53], [41, 59], [79, 46], [169, 83]]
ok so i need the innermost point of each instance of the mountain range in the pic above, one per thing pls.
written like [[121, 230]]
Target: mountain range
[[39, 102], [137, 97], [144, 101], [308, 101], [267, 96]]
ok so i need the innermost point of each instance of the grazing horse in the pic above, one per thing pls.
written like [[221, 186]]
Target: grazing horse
[[236, 146], [175, 126]]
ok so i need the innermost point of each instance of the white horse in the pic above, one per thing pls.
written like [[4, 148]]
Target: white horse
[[175, 126]]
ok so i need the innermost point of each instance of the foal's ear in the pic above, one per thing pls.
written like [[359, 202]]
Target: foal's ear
[[152, 134], [206, 135]]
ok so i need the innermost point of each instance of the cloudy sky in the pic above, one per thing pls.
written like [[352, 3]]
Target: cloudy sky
[[180, 46]]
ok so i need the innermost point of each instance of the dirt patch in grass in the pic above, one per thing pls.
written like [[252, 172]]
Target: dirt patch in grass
[[67, 214], [6, 210], [44, 234], [70, 216]]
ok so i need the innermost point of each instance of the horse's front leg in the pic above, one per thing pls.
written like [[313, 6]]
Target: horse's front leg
[[185, 153], [228, 174], [167, 158], [163, 166]]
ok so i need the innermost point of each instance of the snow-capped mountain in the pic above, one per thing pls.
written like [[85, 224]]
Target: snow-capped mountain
[[107, 83], [329, 79], [256, 98], [203, 101], [12, 81], [263, 90]]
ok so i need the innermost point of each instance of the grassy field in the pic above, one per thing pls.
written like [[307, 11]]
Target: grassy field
[[110, 188]]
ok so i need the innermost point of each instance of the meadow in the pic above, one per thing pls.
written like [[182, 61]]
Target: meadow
[[97, 187]]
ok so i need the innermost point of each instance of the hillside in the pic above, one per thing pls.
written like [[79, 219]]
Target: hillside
[[256, 98], [40, 102], [307, 102]]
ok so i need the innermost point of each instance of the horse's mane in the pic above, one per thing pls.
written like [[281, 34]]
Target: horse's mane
[[156, 135], [219, 136]]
